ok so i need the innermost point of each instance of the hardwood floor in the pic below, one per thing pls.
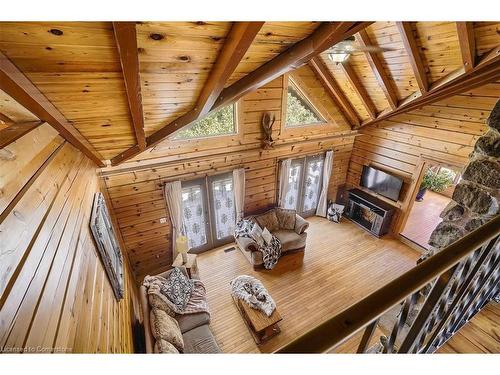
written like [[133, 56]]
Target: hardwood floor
[[424, 217], [341, 264], [480, 335]]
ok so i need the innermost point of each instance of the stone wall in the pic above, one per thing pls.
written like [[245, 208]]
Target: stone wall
[[476, 198]]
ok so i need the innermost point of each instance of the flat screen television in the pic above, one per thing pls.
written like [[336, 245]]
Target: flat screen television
[[381, 183]]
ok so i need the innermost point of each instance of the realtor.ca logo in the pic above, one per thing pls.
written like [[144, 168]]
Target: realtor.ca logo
[[36, 349]]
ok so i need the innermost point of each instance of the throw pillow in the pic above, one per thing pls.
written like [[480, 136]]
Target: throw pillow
[[164, 327], [268, 220], [267, 236], [163, 346], [177, 288], [161, 302], [286, 218], [256, 234]]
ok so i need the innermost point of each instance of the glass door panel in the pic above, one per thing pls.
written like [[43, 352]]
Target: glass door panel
[[311, 185], [222, 208], [195, 215], [294, 184]]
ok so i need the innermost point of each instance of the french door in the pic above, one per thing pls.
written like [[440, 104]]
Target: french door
[[304, 185], [209, 214]]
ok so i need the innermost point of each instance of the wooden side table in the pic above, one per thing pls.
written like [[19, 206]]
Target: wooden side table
[[191, 266]]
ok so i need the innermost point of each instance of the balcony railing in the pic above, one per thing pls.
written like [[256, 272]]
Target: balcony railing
[[453, 285]]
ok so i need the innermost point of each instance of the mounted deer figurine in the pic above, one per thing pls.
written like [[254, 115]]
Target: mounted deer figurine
[[267, 126]]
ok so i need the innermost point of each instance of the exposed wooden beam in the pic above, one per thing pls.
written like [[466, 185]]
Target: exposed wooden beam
[[325, 77], [299, 54], [467, 43], [487, 70], [16, 131], [356, 84], [126, 41], [21, 89], [411, 47], [5, 119], [378, 70], [237, 43], [325, 36]]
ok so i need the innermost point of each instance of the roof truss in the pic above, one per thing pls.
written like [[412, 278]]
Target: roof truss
[[360, 90], [467, 43], [21, 89], [16, 131], [126, 41], [238, 41], [325, 36], [378, 70], [487, 70], [326, 78], [410, 44]]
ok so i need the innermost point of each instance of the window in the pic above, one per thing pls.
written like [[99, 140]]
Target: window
[[209, 213], [304, 185], [220, 122], [299, 110]]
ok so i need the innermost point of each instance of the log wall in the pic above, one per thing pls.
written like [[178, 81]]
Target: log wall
[[54, 291], [445, 131], [135, 187]]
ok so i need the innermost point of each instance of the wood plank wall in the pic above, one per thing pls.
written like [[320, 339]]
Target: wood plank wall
[[446, 130], [54, 292], [135, 187]]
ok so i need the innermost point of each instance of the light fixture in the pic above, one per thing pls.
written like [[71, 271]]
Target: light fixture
[[338, 57]]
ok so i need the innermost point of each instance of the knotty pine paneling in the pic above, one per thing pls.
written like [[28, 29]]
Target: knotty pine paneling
[[54, 291], [77, 67], [446, 130], [135, 187]]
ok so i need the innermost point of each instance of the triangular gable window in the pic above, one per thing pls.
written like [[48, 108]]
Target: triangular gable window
[[299, 110], [220, 122]]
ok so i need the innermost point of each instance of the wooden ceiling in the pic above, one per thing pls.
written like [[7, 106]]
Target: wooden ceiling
[[79, 67]]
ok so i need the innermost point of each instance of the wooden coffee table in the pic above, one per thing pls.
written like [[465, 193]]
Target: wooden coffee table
[[259, 324]]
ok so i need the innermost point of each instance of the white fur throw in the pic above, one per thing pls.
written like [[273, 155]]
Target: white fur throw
[[251, 291]]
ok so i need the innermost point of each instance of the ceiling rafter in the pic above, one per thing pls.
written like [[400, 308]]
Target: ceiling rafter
[[360, 90], [299, 54], [378, 70], [325, 36], [465, 31], [333, 89], [238, 41], [5, 119], [126, 41], [21, 89], [412, 49], [487, 70], [16, 131]]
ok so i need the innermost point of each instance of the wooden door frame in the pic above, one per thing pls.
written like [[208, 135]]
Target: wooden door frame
[[423, 164], [304, 157], [202, 181], [211, 207]]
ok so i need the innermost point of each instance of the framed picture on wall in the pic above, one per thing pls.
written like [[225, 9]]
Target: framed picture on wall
[[104, 235]]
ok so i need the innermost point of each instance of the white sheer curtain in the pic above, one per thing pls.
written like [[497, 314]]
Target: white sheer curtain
[[327, 171], [284, 181], [173, 196], [239, 192]]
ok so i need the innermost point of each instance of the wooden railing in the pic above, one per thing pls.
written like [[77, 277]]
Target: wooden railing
[[436, 298]]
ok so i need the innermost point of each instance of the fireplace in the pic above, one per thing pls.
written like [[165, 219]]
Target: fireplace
[[369, 212], [364, 216]]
